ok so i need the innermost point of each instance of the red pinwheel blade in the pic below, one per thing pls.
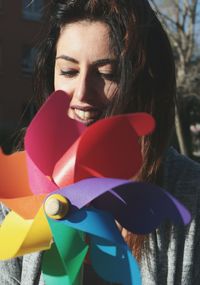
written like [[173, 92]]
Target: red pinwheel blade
[[108, 148], [143, 124]]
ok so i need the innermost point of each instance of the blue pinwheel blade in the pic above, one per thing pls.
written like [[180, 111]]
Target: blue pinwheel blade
[[93, 222], [114, 263], [104, 237]]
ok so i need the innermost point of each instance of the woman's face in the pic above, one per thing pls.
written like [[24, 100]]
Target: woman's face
[[85, 68]]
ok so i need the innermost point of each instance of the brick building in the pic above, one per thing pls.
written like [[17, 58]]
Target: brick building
[[20, 26]]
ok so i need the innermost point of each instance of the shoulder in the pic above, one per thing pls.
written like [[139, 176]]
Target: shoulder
[[180, 167], [182, 178]]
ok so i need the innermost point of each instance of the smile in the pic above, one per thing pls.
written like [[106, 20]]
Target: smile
[[86, 115]]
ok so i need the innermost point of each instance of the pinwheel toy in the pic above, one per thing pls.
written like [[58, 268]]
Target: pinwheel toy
[[68, 187]]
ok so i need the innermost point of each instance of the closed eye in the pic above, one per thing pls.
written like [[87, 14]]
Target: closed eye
[[108, 76], [69, 73]]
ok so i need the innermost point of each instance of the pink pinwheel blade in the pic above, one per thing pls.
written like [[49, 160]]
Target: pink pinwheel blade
[[48, 137], [51, 132]]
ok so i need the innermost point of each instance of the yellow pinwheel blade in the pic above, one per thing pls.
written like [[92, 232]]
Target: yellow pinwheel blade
[[19, 236]]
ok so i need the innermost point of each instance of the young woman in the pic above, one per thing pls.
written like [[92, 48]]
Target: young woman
[[113, 57]]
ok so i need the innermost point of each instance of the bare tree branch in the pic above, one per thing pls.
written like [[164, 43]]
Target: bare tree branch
[[180, 18], [180, 27]]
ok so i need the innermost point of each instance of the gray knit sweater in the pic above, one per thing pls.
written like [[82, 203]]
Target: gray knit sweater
[[173, 257]]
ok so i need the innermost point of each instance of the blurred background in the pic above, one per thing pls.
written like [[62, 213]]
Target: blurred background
[[21, 28], [181, 20], [21, 23]]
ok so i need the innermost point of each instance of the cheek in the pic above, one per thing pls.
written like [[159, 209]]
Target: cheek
[[60, 83]]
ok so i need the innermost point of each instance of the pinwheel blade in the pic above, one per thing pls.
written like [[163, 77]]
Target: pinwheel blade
[[14, 176], [15, 192], [142, 207], [101, 228], [147, 205], [95, 152], [49, 136], [26, 238], [63, 263], [94, 222], [143, 124], [27, 207], [114, 264]]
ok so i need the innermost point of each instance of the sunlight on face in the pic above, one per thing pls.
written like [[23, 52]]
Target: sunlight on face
[[85, 68]]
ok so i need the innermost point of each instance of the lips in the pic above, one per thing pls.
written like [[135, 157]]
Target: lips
[[86, 115]]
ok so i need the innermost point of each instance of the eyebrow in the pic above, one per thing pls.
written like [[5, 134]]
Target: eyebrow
[[99, 62], [67, 58], [105, 61]]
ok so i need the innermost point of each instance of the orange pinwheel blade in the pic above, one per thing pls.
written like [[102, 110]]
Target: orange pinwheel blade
[[15, 192], [26, 207], [13, 175]]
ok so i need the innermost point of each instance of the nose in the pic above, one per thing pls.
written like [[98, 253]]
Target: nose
[[83, 87]]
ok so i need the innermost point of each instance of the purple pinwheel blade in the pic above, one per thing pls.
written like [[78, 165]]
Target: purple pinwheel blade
[[146, 207], [139, 207], [85, 191]]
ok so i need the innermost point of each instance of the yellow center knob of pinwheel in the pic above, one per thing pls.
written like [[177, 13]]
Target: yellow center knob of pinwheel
[[56, 206]]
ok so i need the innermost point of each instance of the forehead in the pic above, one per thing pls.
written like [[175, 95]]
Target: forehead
[[85, 38]]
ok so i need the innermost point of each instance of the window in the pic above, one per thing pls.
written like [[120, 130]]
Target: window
[[32, 9], [28, 57]]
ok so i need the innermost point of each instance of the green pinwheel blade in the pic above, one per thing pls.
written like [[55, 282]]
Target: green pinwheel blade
[[62, 264]]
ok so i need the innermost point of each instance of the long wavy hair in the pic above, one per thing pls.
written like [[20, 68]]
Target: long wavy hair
[[146, 71]]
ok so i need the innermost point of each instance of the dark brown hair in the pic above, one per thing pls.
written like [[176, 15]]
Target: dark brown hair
[[146, 70]]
